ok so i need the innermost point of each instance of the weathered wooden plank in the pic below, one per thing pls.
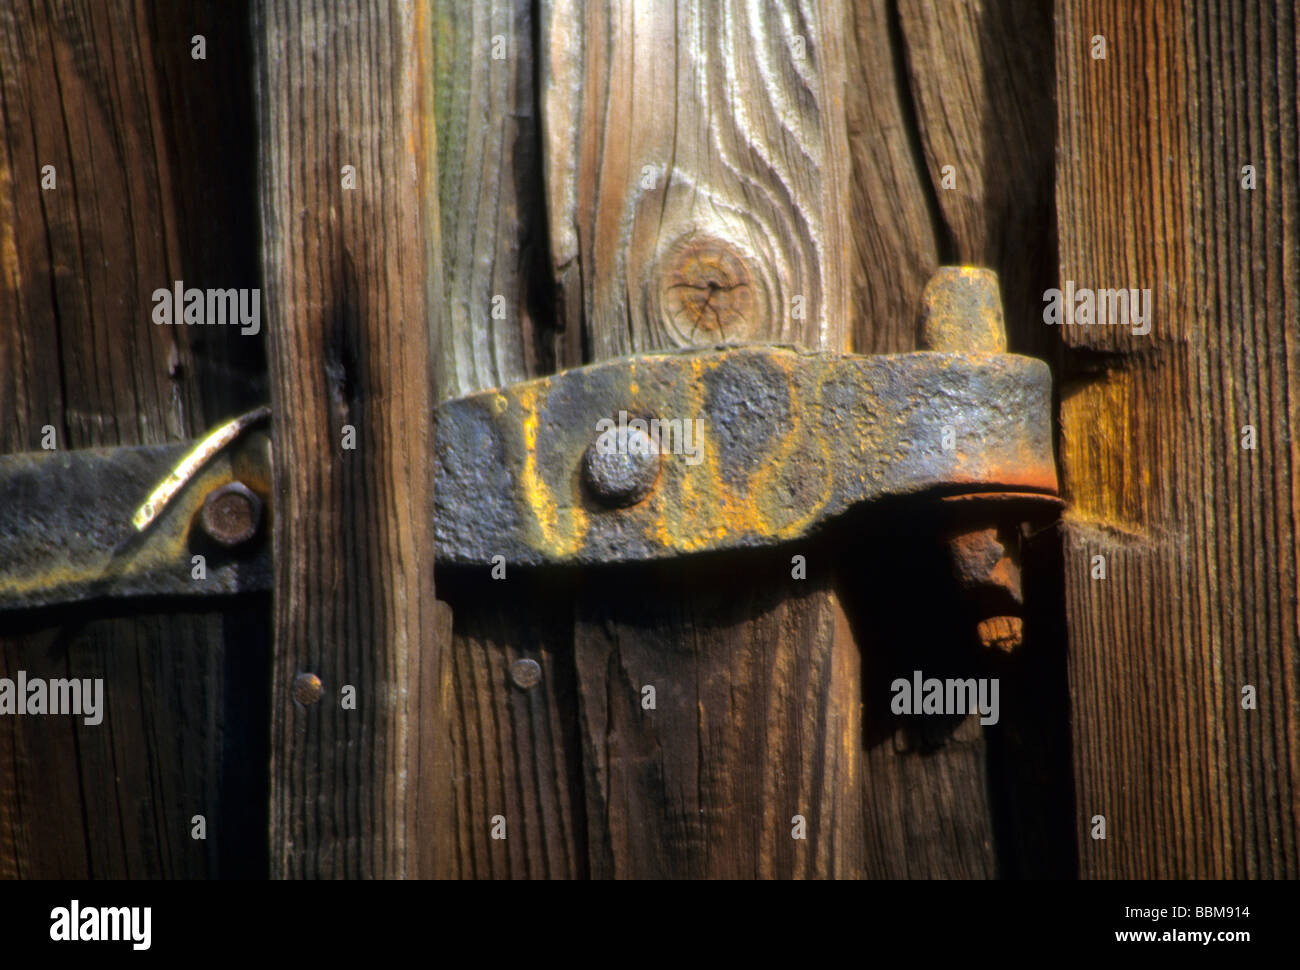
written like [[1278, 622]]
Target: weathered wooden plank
[[698, 184], [697, 173], [1198, 533], [110, 96], [514, 753], [980, 77], [977, 81], [353, 791], [897, 231], [515, 748], [496, 298]]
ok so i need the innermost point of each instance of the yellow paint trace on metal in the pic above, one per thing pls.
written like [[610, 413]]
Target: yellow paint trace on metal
[[708, 510], [550, 526], [188, 466]]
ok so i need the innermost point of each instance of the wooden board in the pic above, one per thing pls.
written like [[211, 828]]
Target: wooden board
[[513, 752], [109, 95], [1198, 534], [354, 792], [698, 181], [975, 86]]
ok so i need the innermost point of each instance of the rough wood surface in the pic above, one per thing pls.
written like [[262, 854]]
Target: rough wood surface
[[514, 753], [109, 94], [354, 792], [976, 82], [698, 182], [489, 187], [1199, 535], [697, 172], [897, 236]]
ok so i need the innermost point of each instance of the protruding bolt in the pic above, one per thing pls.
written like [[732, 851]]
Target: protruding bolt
[[985, 562], [621, 466], [307, 689], [962, 311], [231, 514], [526, 674]]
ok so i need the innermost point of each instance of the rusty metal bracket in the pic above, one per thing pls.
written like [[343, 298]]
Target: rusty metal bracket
[[67, 531], [659, 455]]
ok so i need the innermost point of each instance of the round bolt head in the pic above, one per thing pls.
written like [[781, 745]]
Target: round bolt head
[[621, 466], [231, 514], [307, 688], [526, 674]]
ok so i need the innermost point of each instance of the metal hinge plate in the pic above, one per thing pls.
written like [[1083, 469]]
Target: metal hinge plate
[[755, 445]]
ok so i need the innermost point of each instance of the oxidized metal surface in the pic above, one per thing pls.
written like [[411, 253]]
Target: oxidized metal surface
[[962, 311], [231, 514], [307, 689], [526, 674], [190, 464], [66, 530], [986, 565], [786, 440], [621, 467]]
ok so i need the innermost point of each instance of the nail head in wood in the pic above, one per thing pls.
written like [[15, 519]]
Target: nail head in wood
[[307, 688], [526, 674]]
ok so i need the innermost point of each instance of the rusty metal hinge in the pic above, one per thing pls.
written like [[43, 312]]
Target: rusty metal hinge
[[130, 521], [663, 454]]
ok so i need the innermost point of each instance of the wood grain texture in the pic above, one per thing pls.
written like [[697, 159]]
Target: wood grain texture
[[354, 792], [697, 183], [976, 83], [762, 689], [897, 234], [493, 224], [1199, 534], [513, 753], [980, 76], [109, 94], [696, 172]]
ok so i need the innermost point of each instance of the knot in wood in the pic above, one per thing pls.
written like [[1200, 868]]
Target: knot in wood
[[708, 292]]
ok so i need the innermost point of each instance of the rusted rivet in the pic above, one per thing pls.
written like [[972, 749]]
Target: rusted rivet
[[526, 674], [621, 466], [231, 514], [962, 311], [307, 688]]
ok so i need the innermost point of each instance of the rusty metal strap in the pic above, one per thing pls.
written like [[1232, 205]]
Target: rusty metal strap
[[756, 445], [66, 531]]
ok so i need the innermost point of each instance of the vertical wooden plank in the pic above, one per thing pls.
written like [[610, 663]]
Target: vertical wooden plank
[[345, 84], [110, 96], [980, 77], [496, 297], [1198, 533], [898, 234], [697, 178], [697, 173], [514, 752], [976, 82]]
